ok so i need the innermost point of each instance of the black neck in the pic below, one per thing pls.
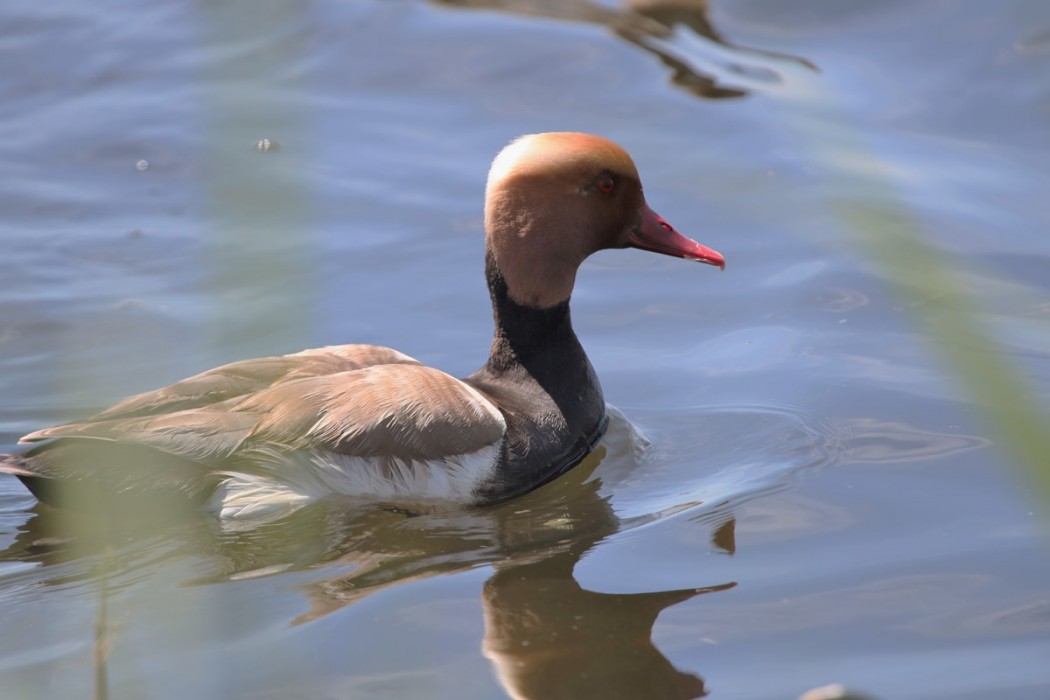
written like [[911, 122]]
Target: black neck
[[526, 335], [543, 382]]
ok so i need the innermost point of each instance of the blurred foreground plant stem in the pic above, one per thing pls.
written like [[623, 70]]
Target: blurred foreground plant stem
[[255, 176], [257, 266]]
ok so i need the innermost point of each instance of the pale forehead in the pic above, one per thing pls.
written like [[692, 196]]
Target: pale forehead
[[554, 153]]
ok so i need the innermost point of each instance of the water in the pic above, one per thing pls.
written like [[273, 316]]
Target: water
[[817, 495]]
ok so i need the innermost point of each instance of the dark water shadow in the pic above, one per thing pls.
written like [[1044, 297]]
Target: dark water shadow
[[652, 25]]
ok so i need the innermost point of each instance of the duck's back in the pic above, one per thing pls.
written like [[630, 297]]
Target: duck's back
[[357, 420]]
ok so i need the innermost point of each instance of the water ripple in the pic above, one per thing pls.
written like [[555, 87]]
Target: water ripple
[[732, 453]]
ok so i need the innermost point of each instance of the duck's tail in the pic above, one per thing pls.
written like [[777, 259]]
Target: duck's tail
[[109, 477], [16, 466]]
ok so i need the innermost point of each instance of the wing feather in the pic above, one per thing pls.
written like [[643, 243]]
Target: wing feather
[[402, 411], [230, 381], [412, 412]]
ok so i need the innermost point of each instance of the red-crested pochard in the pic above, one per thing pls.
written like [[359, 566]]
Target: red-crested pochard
[[272, 433]]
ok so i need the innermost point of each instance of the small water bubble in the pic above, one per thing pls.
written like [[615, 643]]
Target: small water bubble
[[142, 165], [265, 145]]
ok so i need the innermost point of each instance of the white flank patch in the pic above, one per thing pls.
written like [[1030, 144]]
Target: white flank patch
[[301, 477], [447, 479], [255, 498]]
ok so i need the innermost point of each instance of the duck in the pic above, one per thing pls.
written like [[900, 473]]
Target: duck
[[268, 434]]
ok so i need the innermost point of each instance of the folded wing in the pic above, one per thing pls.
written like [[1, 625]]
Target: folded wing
[[349, 408]]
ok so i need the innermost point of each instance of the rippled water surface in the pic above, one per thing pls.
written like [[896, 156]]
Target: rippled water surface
[[827, 473]]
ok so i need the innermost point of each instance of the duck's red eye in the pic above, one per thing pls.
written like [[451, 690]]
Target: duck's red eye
[[606, 184]]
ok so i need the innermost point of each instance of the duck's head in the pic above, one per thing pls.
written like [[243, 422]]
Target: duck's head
[[553, 199]]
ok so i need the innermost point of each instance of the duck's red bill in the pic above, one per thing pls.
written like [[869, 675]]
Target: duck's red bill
[[656, 235]]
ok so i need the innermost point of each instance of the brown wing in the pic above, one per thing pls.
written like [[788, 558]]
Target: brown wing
[[231, 381], [398, 410], [410, 412]]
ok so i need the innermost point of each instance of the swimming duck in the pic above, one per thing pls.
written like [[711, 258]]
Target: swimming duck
[[370, 422]]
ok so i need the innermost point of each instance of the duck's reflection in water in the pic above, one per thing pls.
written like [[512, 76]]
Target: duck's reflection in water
[[723, 70], [546, 636]]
